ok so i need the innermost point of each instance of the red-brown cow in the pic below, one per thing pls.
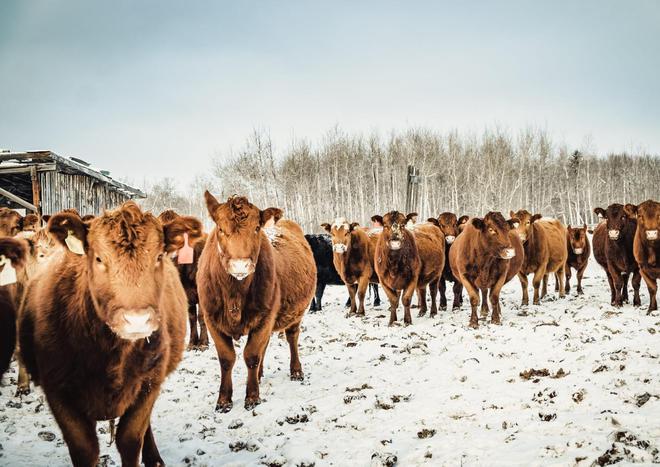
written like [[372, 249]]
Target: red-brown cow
[[103, 326], [486, 255], [613, 250], [646, 246], [579, 250], [13, 253], [451, 228], [255, 284]]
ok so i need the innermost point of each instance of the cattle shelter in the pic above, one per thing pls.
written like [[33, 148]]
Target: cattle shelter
[[46, 183]]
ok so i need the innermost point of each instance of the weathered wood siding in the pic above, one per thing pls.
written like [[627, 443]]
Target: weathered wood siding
[[64, 191]]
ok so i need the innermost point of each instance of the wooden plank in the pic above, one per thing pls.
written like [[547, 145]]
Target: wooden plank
[[17, 200], [35, 187]]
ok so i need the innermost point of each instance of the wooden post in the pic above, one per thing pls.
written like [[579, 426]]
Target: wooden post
[[35, 189], [412, 189]]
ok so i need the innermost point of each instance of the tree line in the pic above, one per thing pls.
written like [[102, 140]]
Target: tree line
[[356, 176]]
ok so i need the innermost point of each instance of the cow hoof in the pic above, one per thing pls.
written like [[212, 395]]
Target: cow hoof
[[496, 321], [473, 325], [297, 375], [407, 322], [432, 315], [421, 313], [637, 303], [153, 462], [224, 407], [252, 403], [22, 391], [376, 303]]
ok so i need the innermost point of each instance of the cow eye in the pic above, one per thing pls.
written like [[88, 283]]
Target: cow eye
[[98, 260], [528, 222], [257, 229], [490, 230]]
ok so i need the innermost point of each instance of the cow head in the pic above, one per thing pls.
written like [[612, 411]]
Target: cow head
[[648, 218], [494, 234], [123, 256], [13, 255], [11, 222], [340, 231], [616, 220], [394, 227], [449, 225], [238, 225], [577, 239], [524, 225]]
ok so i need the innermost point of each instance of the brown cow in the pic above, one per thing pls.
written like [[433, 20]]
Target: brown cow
[[255, 285], [407, 261], [11, 222], [613, 250], [13, 253], [353, 257], [646, 246], [102, 327], [486, 255], [451, 227], [199, 339], [545, 247], [579, 250]]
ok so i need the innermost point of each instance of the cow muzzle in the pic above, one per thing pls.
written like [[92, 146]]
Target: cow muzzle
[[522, 237], [240, 268], [651, 234], [578, 251], [339, 248], [395, 244], [613, 234], [135, 324], [450, 239], [508, 253]]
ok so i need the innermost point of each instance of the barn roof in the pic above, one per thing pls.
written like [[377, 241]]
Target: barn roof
[[22, 162]]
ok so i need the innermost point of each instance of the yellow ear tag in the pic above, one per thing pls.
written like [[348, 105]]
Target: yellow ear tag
[[8, 274], [74, 244], [186, 253]]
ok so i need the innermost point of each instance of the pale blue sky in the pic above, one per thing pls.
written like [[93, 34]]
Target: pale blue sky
[[156, 88]]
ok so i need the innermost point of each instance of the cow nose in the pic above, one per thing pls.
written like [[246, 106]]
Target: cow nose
[[241, 268], [136, 323], [136, 318], [577, 251], [613, 234], [339, 248], [450, 239], [508, 253], [651, 234]]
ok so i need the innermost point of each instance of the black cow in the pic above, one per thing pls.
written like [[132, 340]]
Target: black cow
[[326, 274]]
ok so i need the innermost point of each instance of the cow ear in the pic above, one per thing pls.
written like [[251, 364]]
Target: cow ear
[[412, 216], [45, 219], [70, 231], [14, 250], [377, 218], [584, 227], [463, 220], [270, 216], [535, 217], [569, 228], [478, 223], [631, 210], [514, 222], [211, 203], [600, 212], [512, 214], [88, 217], [175, 230], [327, 227], [353, 225], [433, 221]]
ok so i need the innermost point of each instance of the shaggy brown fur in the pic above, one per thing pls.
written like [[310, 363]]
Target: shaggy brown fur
[[451, 227], [250, 285], [353, 258], [579, 250], [431, 248], [545, 253], [615, 255], [100, 332], [16, 251], [646, 246], [481, 258], [11, 222]]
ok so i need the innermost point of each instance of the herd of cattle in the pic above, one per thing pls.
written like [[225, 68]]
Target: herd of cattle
[[94, 307]]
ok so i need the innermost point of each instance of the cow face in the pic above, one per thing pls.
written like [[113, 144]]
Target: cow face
[[616, 219], [449, 225], [123, 257], [494, 238], [11, 222], [648, 218], [394, 224], [577, 239], [524, 225], [239, 232], [13, 255], [340, 232]]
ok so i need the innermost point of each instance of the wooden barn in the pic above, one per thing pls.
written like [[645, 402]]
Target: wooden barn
[[44, 182]]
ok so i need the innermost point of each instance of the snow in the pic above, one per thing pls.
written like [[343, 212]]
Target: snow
[[435, 393]]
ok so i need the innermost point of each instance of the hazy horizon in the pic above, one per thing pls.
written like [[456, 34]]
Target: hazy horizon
[[157, 89]]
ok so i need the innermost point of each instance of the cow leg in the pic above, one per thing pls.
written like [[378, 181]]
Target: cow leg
[[539, 275], [496, 316], [261, 362], [407, 298], [624, 288], [484, 303], [203, 331], [473, 293], [636, 282], [580, 274], [316, 301], [458, 295], [150, 455], [393, 297], [433, 290], [442, 286], [292, 334], [617, 280], [567, 279], [524, 283], [421, 297], [133, 426], [374, 289], [559, 281], [351, 294], [23, 384], [227, 357], [612, 289], [254, 349], [544, 286], [653, 290], [192, 319], [78, 431], [362, 287]]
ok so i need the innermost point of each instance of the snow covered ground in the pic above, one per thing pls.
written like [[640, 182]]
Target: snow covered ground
[[435, 393]]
